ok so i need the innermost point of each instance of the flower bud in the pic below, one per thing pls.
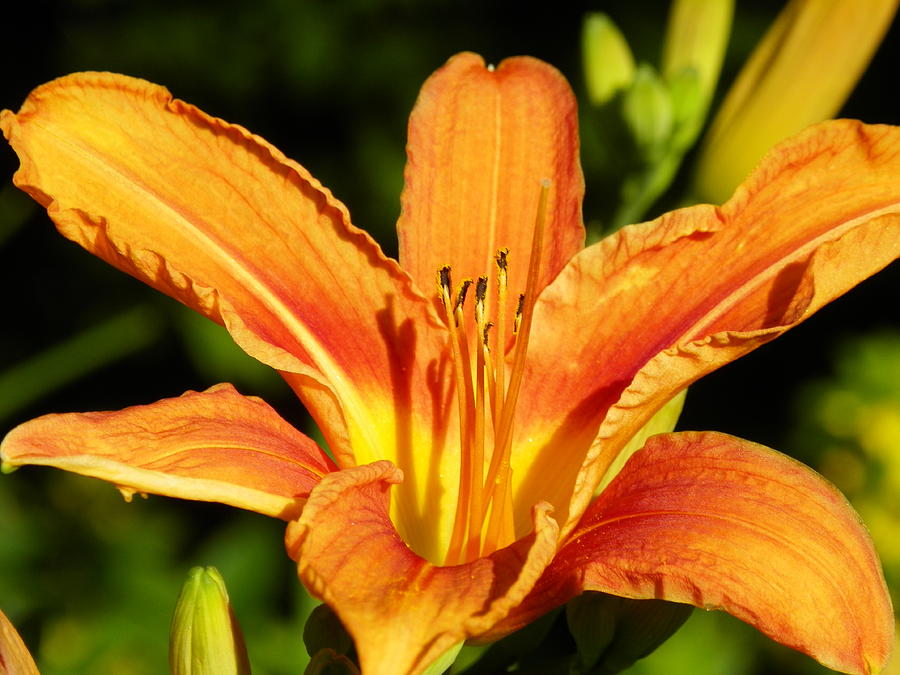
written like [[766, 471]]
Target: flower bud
[[205, 638], [799, 74], [696, 37], [608, 63], [647, 108]]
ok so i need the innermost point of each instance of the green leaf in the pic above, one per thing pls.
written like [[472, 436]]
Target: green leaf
[[513, 650]]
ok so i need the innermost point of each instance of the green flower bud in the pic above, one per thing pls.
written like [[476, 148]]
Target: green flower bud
[[647, 109], [608, 63], [696, 37], [800, 73], [205, 638]]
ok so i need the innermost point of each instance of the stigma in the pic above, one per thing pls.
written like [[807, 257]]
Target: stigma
[[487, 395]]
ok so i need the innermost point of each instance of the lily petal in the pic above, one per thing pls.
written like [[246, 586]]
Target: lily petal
[[402, 611], [721, 523], [222, 221], [480, 141], [14, 656], [660, 304], [214, 445]]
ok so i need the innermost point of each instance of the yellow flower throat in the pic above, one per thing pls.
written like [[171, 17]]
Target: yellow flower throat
[[484, 510]]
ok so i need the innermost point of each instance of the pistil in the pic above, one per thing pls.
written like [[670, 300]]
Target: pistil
[[476, 516], [501, 330]]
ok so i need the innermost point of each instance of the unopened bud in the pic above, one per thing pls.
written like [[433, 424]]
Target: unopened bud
[[205, 638], [696, 37], [648, 112], [800, 73], [608, 63]]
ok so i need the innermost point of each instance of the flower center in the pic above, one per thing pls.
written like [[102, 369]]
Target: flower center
[[483, 521]]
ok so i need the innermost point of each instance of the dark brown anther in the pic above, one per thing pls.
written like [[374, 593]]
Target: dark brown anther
[[461, 294], [444, 279], [481, 289], [519, 309], [484, 335]]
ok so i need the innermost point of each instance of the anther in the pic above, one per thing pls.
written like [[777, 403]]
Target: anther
[[484, 333], [519, 309], [501, 260], [444, 279], [481, 289], [461, 294]]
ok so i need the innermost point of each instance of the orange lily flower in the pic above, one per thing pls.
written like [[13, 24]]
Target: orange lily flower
[[461, 500]]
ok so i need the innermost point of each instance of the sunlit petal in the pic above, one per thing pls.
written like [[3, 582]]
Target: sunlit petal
[[660, 304], [480, 141], [221, 220], [211, 446], [402, 611], [722, 523]]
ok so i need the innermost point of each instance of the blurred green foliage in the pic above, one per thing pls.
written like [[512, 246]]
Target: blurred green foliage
[[849, 427], [91, 582]]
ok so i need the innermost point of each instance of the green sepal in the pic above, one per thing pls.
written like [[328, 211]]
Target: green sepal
[[688, 108], [324, 631], [525, 645], [611, 633], [444, 661], [329, 662]]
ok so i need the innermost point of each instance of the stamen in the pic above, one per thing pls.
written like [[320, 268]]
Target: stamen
[[464, 396], [484, 518], [493, 391], [497, 487]]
